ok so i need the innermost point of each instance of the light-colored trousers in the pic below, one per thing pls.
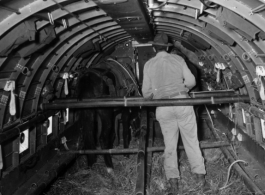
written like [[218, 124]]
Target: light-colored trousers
[[181, 119]]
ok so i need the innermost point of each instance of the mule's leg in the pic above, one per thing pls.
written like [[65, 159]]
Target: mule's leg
[[107, 135], [125, 117], [88, 121]]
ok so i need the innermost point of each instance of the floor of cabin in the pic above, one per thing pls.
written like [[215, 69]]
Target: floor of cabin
[[80, 180]]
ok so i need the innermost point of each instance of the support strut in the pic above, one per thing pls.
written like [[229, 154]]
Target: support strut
[[201, 94], [143, 102], [6, 135], [203, 145], [140, 181]]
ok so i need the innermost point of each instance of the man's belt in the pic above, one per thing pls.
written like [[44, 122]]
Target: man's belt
[[175, 94]]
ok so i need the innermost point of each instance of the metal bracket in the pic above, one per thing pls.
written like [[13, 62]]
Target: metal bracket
[[23, 69], [202, 8], [19, 67], [211, 57], [252, 52], [54, 67], [50, 18], [3, 100], [246, 56], [181, 33], [128, 19], [37, 91], [197, 13], [22, 95], [246, 79], [50, 65], [60, 84], [227, 56], [260, 55], [3, 83], [64, 23]]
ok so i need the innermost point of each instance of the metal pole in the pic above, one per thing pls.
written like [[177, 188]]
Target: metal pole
[[140, 181], [203, 145], [150, 154], [212, 94], [143, 102], [192, 95], [17, 130]]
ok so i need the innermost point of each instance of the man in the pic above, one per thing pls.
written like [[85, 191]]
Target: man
[[166, 76]]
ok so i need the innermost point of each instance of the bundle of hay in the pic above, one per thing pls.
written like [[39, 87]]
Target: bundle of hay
[[79, 180]]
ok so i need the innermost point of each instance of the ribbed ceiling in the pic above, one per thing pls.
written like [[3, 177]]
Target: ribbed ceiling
[[71, 32]]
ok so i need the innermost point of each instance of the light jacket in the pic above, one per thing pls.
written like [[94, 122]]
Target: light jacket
[[166, 74]]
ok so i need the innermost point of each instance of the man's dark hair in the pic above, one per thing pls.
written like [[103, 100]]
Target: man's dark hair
[[160, 48]]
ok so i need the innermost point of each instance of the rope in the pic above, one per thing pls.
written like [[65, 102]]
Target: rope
[[230, 167], [127, 71], [228, 173]]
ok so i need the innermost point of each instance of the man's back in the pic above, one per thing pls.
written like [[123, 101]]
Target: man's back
[[165, 74]]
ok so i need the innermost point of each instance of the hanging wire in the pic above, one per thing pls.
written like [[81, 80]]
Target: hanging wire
[[132, 78], [230, 167], [101, 37], [228, 173]]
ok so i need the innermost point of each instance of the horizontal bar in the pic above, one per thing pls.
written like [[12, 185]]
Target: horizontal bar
[[220, 93], [203, 145], [212, 94], [4, 136], [144, 102]]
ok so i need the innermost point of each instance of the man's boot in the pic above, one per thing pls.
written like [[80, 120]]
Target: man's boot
[[203, 185], [174, 186]]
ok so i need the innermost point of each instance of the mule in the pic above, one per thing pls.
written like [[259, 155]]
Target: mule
[[92, 83]]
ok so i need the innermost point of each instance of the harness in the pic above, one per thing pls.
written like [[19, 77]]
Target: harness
[[108, 81]]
